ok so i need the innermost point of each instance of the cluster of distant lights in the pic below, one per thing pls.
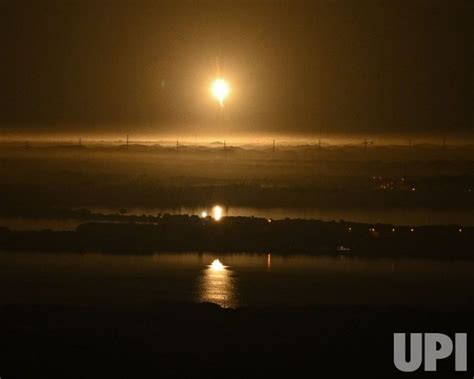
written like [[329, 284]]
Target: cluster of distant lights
[[373, 230], [216, 213], [391, 184]]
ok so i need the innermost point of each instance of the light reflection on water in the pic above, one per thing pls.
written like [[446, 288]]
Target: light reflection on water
[[217, 285], [235, 280]]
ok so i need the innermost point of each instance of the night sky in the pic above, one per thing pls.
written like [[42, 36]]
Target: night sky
[[383, 67]]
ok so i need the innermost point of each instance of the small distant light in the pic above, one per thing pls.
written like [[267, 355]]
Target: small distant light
[[393, 229], [412, 230], [203, 214], [460, 230], [413, 189], [403, 179], [350, 229], [269, 219]]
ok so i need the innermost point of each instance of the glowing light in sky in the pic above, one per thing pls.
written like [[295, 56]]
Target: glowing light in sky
[[220, 90], [204, 214]]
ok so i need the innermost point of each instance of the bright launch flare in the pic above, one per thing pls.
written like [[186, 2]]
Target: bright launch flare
[[220, 90]]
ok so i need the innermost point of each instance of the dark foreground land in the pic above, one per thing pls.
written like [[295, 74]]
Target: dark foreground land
[[248, 234], [189, 341]]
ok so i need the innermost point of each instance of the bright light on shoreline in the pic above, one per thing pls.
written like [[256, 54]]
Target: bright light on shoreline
[[220, 90], [217, 212]]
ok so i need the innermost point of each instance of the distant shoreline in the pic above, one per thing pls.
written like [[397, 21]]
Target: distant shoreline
[[254, 235]]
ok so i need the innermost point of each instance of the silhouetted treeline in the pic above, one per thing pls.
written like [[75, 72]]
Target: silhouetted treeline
[[243, 234]]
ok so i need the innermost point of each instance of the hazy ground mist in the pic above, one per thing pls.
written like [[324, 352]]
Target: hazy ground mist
[[35, 176]]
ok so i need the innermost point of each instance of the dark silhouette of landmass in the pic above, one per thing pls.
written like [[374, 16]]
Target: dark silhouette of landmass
[[248, 234]]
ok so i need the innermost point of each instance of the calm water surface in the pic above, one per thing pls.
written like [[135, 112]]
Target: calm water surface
[[232, 281]]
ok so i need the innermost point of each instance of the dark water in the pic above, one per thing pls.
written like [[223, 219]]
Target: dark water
[[244, 280]]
